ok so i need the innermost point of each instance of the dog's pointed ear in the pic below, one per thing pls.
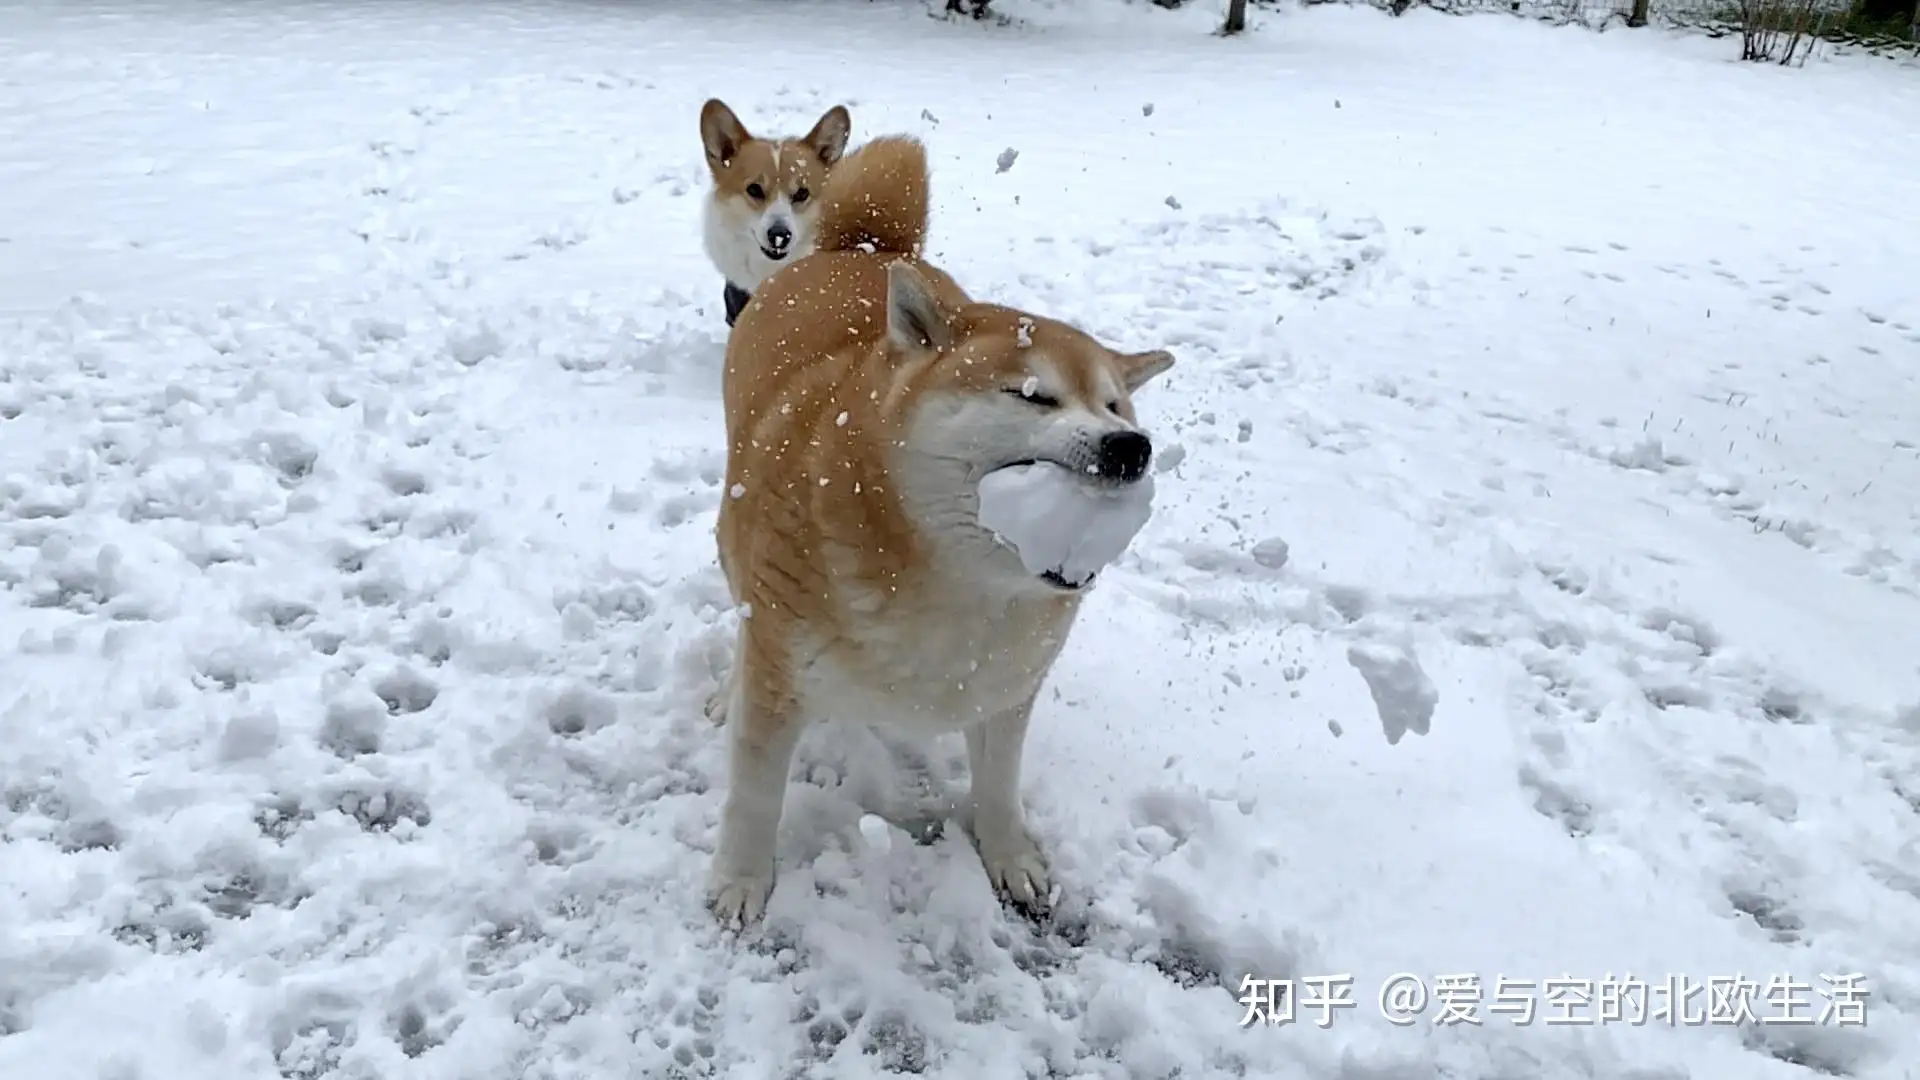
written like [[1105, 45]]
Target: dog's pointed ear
[[828, 139], [915, 319], [1138, 369], [721, 132]]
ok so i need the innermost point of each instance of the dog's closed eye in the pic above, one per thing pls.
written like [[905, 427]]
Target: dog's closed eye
[[1033, 396]]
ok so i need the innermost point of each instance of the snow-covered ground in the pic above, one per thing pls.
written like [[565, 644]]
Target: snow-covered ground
[[1533, 593]]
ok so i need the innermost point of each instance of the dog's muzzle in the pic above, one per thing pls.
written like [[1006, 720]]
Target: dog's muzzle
[[1059, 581]]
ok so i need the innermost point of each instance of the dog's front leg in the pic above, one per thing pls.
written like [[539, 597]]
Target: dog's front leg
[[1013, 861], [762, 730]]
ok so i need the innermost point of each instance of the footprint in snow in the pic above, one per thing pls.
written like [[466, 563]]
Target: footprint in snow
[[404, 482], [578, 711], [382, 809], [405, 691]]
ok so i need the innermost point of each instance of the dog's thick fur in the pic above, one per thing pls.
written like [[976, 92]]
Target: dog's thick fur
[[760, 213], [866, 394]]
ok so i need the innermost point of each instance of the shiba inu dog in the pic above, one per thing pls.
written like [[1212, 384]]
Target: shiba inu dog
[[866, 394], [761, 210]]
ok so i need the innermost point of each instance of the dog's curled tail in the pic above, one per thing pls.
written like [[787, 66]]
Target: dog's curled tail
[[876, 199]]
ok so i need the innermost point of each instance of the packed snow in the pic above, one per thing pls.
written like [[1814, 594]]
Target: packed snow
[[1402, 693], [1528, 607], [1059, 523]]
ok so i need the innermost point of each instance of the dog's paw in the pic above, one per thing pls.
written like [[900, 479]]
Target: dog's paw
[[1018, 871], [716, 706], [739, 900]]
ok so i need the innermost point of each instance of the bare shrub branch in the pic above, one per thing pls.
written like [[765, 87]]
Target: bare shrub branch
[[1780, 31]]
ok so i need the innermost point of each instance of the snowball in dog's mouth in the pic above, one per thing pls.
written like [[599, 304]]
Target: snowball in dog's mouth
[[1065, 526]]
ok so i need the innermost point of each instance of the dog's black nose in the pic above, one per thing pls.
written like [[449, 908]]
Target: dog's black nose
[[778, 237], [1124, 455]]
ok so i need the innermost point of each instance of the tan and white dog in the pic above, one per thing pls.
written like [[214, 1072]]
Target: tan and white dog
[[760, 212], [866, 394]]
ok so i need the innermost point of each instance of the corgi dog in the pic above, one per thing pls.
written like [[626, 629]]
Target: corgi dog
[[761, 211], [866, 394]]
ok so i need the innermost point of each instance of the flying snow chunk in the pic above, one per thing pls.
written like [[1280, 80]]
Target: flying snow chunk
[[1057, 522], [1402, 694], [1271, 553], [874, 830], [1006, 159], [1647, 455]]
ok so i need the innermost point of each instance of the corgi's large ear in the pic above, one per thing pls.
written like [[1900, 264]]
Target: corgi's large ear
[[828, 139], [721, 132], [1138, 369], [915, 319]]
